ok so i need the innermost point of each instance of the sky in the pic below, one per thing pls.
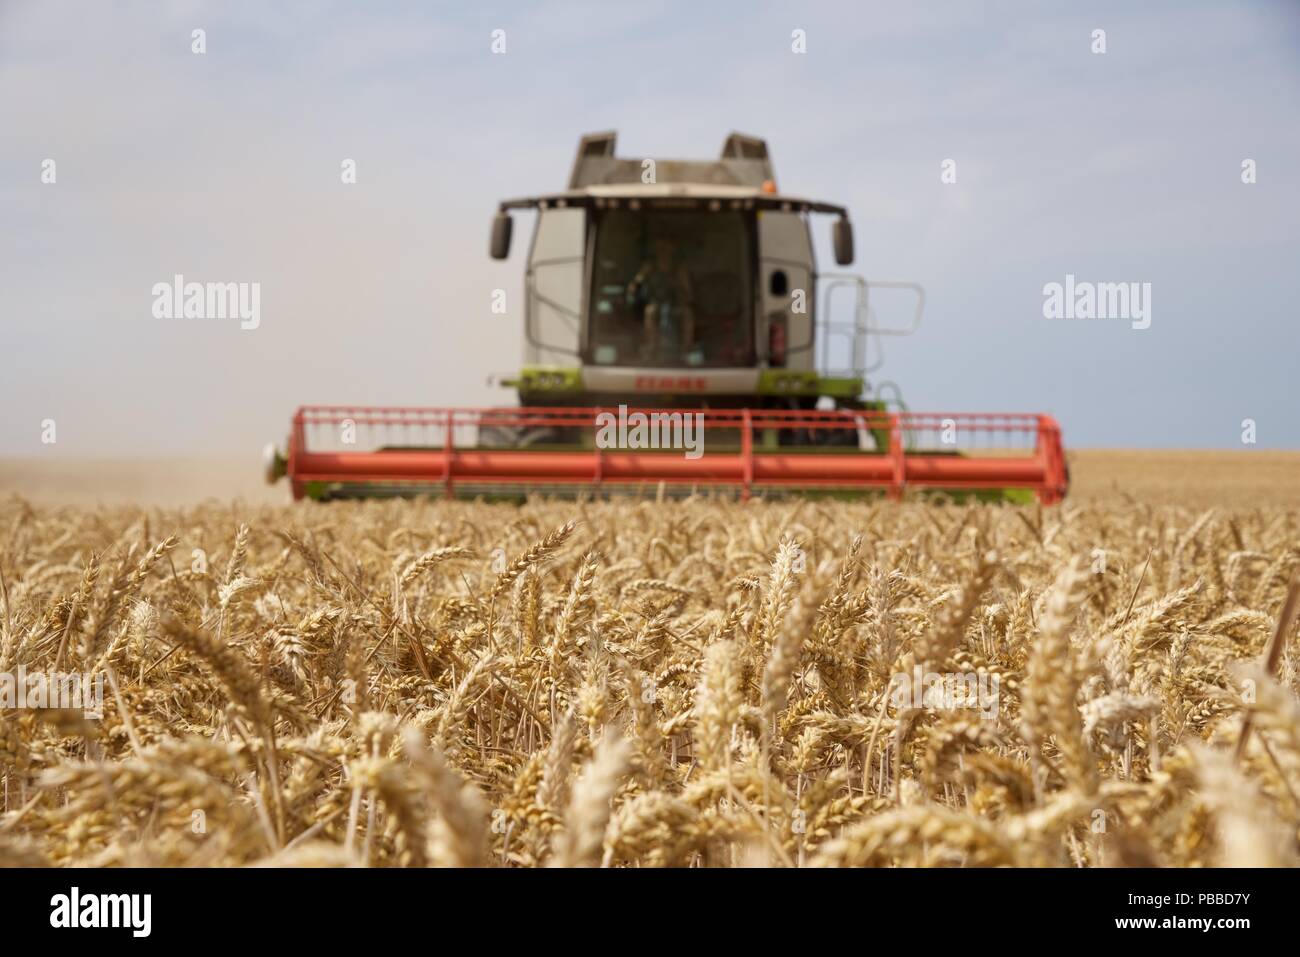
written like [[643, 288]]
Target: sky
[[1122, 166]]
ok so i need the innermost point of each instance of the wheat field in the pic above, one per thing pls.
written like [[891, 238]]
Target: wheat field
[[695, 683]]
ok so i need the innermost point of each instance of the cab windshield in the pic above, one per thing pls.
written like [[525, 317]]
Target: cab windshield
[[672, 288]]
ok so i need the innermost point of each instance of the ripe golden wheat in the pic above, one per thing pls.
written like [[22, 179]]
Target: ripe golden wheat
[[698, 683]]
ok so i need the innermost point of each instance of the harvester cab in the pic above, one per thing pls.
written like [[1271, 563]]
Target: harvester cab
[[678, 336], [688, 282]]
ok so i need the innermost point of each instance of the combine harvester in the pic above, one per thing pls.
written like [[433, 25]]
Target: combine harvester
[[678, 337]]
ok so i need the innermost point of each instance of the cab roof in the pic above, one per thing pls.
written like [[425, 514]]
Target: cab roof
[[741, 178]]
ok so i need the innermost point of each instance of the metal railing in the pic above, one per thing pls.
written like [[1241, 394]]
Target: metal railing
[[854, 336]]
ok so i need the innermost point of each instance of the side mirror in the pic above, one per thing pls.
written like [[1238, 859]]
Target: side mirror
[[842, 234], [778, 283], [502, 227]]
